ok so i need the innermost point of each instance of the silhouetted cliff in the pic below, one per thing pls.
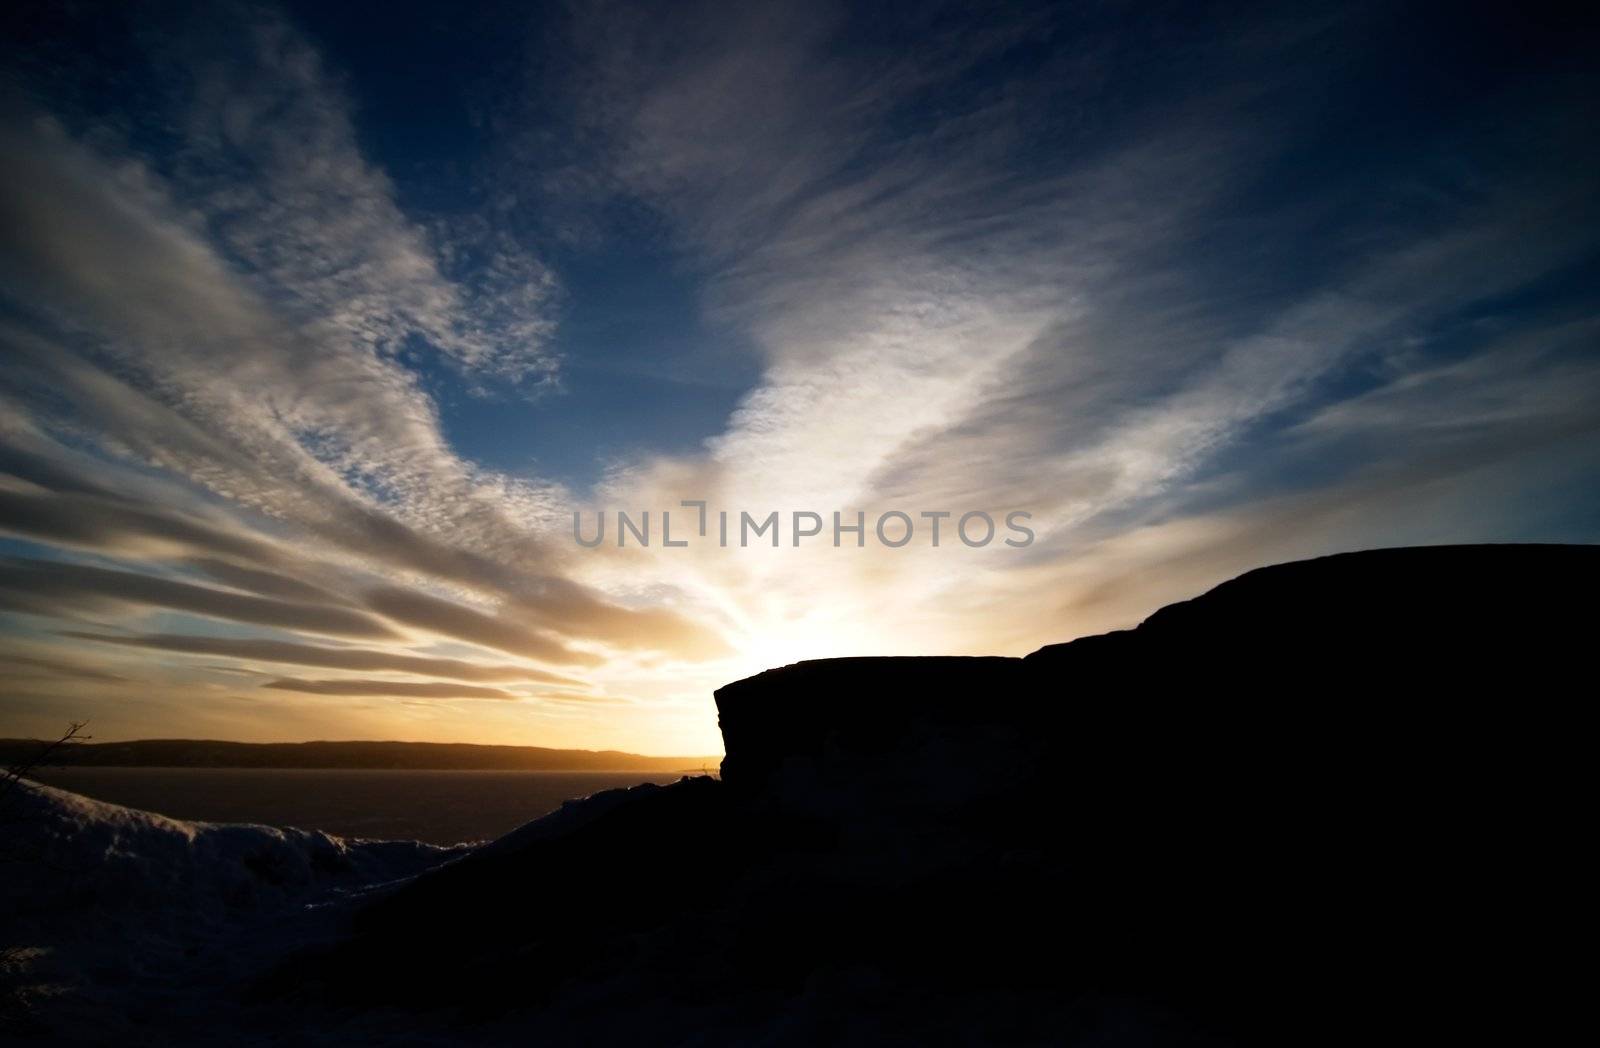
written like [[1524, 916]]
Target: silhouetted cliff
[[1332, 799]]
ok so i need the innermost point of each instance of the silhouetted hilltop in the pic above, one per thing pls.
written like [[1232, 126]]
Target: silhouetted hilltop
[[1309, 645], [1332, 800], [1426, 601], [202, 753]]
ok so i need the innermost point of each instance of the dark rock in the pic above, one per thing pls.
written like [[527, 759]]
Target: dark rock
[[1327, 800]]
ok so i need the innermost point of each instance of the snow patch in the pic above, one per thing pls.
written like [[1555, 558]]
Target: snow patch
[[71, 854], [117, 923]]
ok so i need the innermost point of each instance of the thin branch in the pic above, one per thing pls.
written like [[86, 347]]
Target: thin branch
[[13, 776]]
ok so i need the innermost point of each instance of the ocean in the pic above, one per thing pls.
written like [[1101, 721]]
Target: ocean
[[439, 807]]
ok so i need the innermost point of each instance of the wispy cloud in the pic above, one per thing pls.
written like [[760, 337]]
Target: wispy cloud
[[67, 587], [255, 649], [403, 689], [1197, 309]]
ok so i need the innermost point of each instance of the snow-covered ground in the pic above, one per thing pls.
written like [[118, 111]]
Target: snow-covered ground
[[131, 928], [121, 926]]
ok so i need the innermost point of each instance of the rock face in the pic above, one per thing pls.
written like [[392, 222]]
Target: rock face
[[833, 736], [1320, 704], [1326, 799]]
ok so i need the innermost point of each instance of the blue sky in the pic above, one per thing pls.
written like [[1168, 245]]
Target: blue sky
[[320, 321], [642, 368]]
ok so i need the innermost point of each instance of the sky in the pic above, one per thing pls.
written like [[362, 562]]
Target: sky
[[319, 323]]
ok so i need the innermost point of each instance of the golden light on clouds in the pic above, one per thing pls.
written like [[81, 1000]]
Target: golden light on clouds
[[293, 426]]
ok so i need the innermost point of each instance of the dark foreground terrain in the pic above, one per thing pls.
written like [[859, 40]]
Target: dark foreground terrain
[[1334, 801]]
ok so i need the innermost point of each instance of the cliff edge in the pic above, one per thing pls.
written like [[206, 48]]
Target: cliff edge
[[1332, 799]]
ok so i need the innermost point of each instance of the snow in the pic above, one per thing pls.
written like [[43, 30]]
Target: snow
[[123, 926], [130, 926], [109, 861]]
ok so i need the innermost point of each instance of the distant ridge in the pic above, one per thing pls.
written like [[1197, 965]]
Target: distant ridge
[[419, 756]]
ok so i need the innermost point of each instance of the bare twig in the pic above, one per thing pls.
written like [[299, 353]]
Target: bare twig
[[11, 778], [22, 769]]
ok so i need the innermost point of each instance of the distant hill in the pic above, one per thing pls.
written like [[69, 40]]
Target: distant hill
[[208, 753]]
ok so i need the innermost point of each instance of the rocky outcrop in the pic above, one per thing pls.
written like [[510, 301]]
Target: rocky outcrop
[[1292, 671], [1326, 799], [833, 737]]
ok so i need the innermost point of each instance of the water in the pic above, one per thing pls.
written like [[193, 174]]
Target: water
[[441, 807]]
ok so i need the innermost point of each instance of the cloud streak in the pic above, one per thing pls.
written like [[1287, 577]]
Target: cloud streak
[[1232, 302], [252, 650], [389, 689], [67, 587]]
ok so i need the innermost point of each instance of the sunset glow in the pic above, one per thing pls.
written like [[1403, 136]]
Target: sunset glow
[[308, 369]]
